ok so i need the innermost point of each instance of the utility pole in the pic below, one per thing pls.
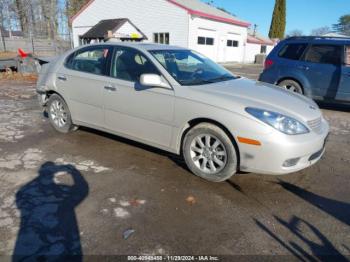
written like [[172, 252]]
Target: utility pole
[[255, 29]]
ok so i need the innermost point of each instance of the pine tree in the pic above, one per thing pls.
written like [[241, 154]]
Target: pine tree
[[278, 23], [343, 25]]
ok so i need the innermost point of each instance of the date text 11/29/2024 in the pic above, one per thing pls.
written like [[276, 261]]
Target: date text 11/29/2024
[[173, 258]]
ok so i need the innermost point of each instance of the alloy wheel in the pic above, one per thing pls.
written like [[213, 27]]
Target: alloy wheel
[[208, 154], [58, 114]]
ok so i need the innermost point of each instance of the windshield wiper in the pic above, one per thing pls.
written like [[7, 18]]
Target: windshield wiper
[[195, 82], [207, 81], [221, 78]]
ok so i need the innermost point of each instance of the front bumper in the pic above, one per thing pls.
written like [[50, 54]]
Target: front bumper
[[277, 148]]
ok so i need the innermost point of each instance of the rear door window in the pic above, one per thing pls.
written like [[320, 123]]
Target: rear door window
[[324, 54], [90, 60], [292, 51]]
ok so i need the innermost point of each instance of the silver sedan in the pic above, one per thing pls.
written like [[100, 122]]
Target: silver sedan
[[180, 101]]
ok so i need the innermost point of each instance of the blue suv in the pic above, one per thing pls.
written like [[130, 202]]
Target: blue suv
[[318, 67]]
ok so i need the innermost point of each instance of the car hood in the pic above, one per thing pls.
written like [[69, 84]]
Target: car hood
[[241, 93]]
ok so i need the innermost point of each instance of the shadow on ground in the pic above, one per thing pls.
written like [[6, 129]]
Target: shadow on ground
[[337, 209], [321, 249], [317, 243], [334, 106], [49, 228]]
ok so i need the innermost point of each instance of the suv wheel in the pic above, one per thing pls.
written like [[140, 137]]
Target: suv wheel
[[292, 86], [59, 115], [209, 153]]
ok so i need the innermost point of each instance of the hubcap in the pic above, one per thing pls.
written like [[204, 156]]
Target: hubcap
[[58, 114], [292, 88], [208, 153]]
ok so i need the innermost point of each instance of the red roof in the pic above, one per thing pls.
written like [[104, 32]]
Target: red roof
[[260, 41], [189, 10], [210, 16]]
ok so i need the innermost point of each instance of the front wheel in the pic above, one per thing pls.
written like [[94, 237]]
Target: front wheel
[[209, 153], [59, 115]]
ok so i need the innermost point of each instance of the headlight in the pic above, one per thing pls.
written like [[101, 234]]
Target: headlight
[[282, 123]]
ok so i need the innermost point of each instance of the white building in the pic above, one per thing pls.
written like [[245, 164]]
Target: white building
[[187, 23], [257, 44]]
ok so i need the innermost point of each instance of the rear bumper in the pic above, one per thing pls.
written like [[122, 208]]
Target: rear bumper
[[270, 158], [42, 98], [268, 76]]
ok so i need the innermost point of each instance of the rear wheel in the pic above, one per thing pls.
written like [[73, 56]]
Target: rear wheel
[[292, 86], [59, 115], [209, 153]]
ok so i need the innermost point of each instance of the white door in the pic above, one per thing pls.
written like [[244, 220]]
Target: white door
[[222, 48]]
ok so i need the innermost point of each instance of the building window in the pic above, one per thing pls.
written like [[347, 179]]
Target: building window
[[263, 49], [201, 40], [161, 38], [209, 41], [232, 43], [205, 40]]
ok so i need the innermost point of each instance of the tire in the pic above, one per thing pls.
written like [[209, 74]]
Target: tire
[[200, 157], [59, 115], [292, 86]]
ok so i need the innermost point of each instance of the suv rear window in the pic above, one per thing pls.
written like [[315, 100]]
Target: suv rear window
[[324, 54], [292, 51]]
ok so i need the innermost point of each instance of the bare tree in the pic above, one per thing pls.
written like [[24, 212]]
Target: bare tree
[[22, 14], [39, 18], [73, 6], [295, 32], [8, 15], [321, 31]]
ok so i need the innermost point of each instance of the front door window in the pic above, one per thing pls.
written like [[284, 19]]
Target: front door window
[[129, 64]]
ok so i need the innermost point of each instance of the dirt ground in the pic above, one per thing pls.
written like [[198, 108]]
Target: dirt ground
[[85, 192]]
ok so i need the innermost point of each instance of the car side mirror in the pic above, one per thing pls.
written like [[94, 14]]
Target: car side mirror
[[154, 80]]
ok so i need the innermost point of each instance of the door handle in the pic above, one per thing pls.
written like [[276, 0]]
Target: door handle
[[62, 78], [110, 88], [304, 67]]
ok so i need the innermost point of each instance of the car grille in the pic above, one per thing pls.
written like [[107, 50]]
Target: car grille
[[315, 125]]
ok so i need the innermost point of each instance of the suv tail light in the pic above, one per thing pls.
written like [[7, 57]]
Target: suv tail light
[[268, 63]]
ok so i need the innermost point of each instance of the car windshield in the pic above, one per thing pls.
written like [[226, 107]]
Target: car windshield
[[190, 68]]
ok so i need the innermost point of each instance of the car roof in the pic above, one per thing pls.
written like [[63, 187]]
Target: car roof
[[141, 46], [318, 39]]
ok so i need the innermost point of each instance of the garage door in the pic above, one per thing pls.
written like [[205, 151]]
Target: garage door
[[207, 42]]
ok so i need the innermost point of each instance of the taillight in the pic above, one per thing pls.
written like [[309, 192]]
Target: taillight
[[268, 63]]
